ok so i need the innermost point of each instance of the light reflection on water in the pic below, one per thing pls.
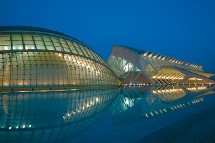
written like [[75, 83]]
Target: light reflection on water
[[60, 116], [149, 102], [50, 116]]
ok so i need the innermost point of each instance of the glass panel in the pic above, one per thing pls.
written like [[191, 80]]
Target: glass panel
[[55, 40], [48, 43], [5, 47], [29, 42], [40, 47], [50, 47], [84, 50], [27, 37], [78, 48], [46, 38], [16, 37], [5, 43], [69, 43], [62, 40], [29, 47], [66, 49], [37, 38], [17, 47], [57, 44], [4, 37], [89, 52], [59, 49], [72, 48], [17, 42], [39, 43]]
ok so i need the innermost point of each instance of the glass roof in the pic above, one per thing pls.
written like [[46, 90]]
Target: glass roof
[[23, 38]]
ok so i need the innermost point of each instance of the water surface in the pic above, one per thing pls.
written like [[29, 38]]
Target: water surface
[[128, 114]]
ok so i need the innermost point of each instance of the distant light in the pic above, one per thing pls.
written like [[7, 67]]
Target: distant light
[[151, 113], [10, 128], [150, 55], [97, 99], [29, 126]]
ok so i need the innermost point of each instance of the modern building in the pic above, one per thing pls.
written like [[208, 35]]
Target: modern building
[[39, 58], [134, 66]]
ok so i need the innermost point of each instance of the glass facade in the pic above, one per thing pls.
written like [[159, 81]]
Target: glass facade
[[46, 59], [134, 66]]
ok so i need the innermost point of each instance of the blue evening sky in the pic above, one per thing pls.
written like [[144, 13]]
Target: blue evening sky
[[183, 29]]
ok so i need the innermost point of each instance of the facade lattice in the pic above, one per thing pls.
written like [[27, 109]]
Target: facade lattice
[[35, 57], [134, 66]]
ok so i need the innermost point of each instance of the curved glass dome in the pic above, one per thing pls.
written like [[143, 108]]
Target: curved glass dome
[[36, 57]]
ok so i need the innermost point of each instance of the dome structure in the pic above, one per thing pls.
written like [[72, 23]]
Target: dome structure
[[39, 58]]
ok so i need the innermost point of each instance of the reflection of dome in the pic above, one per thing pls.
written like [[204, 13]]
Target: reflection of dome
[[35, 57], [50, 116]]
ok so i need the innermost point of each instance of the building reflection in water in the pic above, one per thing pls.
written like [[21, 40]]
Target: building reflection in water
[[50, 116], [137, 102], [59, 116]]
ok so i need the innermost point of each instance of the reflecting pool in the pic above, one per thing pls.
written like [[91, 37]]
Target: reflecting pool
[[129, 114]]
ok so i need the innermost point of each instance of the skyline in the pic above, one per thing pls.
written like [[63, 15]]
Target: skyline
[[183, 30]]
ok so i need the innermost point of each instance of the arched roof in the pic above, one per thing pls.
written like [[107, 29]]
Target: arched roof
[[32, 29], [149, 54], [63, 41]]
